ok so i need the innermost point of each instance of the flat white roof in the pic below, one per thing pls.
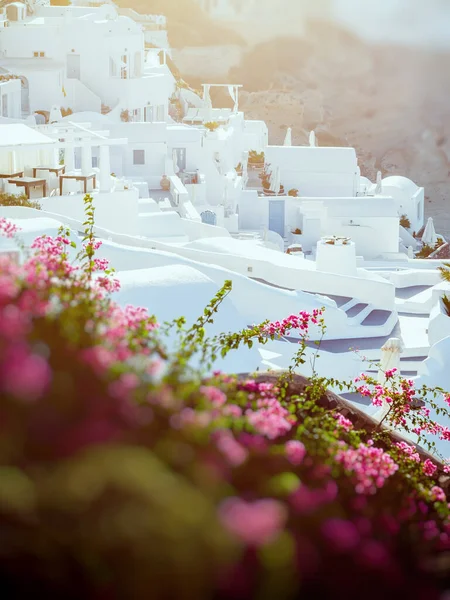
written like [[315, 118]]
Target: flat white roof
[[313, 159], [17, 134]]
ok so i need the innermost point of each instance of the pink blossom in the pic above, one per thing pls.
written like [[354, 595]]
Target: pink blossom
[[369, 466], [271, 420], [214, 395], [230, 448], [295, 452], [7, 228], [24, 375], [389, 374], [429, 468], [254, 523], [232, 410], [409, 451], [343, 422], [438, 494], [342, 535]]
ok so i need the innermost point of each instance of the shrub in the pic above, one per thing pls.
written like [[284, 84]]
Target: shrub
[[405, 222], [446, 303], [297, 231], [293, 193], [445, 272], [12, 200], [426, 250], [211, 125], [125, 469], [256, 157], [65, 112]]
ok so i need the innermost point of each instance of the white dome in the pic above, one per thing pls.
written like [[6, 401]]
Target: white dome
[[402, 183]]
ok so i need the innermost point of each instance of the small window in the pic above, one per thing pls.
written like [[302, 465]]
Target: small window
[[112, 67], [139, 157], [41, 54], [36, 54]]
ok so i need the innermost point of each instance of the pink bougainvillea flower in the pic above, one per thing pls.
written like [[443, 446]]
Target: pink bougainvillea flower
[[254, 523], [342, 535], [429, 468], [295, 452], [24, 375]]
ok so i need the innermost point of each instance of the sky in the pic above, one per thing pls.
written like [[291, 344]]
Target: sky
[[419, 22]]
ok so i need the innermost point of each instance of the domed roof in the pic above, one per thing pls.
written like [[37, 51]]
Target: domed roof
[[402, 183]]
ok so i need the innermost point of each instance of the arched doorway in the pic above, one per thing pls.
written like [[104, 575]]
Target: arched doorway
[[25, 94], [209, 217]]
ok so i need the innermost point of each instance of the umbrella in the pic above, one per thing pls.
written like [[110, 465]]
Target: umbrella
[[288, 138], [55, 114], [390, 359], [176, 168], [276, 182], [207, 103], [312, 139], [379, 184], [429, 235]]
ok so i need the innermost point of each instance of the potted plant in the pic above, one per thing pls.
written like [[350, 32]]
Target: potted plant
[[296, 235], [293, 193], [125, 116], [405, 222], [256, 159], [211, 125], [165, 183]]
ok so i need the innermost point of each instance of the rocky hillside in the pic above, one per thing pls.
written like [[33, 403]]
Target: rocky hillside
[[188, 24]]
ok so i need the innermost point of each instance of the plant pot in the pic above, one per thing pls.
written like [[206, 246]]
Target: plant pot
[[165, 183]]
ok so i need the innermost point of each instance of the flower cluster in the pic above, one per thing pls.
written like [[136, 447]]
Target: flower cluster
[[299, 323], [369, 466], [249, 479]]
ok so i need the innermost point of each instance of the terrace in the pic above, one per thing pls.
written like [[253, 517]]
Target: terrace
[[41, 162]]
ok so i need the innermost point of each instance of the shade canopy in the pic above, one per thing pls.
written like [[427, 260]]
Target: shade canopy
[[430, 237], [16, 135], [288, 138]]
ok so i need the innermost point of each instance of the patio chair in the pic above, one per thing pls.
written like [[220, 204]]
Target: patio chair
[[52, 183], [71, 187], [12, 189]]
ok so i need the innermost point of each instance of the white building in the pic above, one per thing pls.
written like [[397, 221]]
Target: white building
[[10, 97], [52, 48]]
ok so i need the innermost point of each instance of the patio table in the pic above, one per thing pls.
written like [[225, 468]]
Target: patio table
[[83, 178], [59, 170], [28, 183]]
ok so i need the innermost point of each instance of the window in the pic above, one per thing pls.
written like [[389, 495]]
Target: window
[[137, 64], [148, 114], [124, 67], [112, 67], [4, 105], [139, 157], [160, 113], [38, 54]]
